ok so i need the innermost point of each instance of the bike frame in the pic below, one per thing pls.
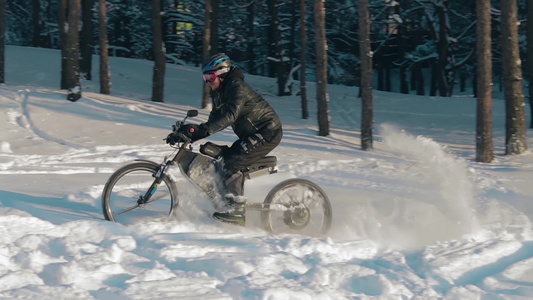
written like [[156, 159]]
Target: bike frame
[[189, 161]]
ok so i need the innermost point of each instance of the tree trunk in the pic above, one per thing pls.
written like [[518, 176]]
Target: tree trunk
[[278, 64], [86, 41], [72, 52], [303, 58], [530, 56], [380, 71], [292, 45], [2, 39], [251, 38], [474, 84], [158, 81], [463, 76], [206, 50], [36, 9], [420, 83], [105, 87], [515, 117], [484, 147], [404, 84], [214, 27], [61, 20], [322, 97], [210, 42], [442, 45], [273, 36], [388, 74], [365, 54], [434, 84]]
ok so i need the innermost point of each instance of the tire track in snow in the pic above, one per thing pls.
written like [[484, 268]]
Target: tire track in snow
[[24, 95], [77, 158]]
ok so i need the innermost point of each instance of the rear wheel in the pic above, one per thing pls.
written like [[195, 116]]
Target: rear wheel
[[297, 206], [124, 192]]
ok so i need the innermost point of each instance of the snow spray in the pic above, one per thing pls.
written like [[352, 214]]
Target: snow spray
[[438, 195]]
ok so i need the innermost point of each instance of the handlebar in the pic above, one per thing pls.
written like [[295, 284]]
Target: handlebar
[[190, 114], [175, 128]]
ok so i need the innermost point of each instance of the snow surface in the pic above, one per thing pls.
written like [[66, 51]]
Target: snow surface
[[416, 218]]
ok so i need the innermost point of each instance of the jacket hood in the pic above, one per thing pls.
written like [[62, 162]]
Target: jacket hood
[[233, 73]]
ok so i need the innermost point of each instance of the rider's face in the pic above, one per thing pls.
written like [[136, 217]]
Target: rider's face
[[212, 80], [215, 84]]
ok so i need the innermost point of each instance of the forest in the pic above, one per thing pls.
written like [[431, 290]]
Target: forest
[[422, 47], [405, 36]]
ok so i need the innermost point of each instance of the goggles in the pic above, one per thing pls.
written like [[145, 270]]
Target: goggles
[[211, 76]]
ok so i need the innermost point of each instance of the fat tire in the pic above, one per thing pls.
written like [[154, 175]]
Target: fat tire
[[150, 167], [270, 200]]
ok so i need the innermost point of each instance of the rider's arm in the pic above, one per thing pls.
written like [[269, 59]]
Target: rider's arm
[[229, 112]]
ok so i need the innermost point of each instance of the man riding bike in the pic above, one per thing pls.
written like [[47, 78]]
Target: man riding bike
[[253, 120]]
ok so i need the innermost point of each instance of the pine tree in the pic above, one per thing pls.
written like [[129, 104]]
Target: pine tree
[[210, 29], [530, 55], [365, 55], [36, 8], [86, 39], [484, 147], [2, 39], [515, 115], [105, 86], [321, 68], [72, 52], [62, 25], [158, 80], [303, 59]]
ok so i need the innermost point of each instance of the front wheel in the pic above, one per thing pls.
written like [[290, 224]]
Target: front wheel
[[297, 206], [122, 197]]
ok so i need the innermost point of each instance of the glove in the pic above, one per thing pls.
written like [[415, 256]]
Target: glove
[[193, 131], [174, 138]]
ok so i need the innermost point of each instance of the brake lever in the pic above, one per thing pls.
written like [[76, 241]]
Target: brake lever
[[177, 126]]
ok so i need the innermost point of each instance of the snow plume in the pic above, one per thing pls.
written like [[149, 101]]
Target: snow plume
[[438, 196]]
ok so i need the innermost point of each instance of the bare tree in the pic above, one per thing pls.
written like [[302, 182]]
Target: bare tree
[[515, 116], [251, 44], [36, 8], [530, 56], [72, 50], [442, 48], [303, 59], [322, 97], [484, 146], [62, 25], [273, 36], [105, 87], [2, 39], [278, 64], [86, 41], [365, 56], [158, 80], [208, 31]]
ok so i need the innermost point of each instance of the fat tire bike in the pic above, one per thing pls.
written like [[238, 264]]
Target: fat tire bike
[[144, 189]]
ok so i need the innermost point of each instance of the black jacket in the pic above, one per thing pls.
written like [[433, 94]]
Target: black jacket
[[237, 105]]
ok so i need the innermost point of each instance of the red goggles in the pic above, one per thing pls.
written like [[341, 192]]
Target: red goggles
[[209, 77]]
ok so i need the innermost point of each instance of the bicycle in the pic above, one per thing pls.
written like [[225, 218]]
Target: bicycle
[[146, 189]]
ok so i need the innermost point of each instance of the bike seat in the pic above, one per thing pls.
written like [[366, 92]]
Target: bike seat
[[266, 164]]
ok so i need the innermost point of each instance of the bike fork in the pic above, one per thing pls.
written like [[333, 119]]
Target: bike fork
[[158, 179]]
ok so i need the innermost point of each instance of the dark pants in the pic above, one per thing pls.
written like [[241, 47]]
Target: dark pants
[[243, 153]]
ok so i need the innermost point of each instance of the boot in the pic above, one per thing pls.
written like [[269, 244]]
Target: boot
[[236, 214]]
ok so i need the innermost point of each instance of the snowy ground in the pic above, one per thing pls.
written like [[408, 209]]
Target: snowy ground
[[416, 217]]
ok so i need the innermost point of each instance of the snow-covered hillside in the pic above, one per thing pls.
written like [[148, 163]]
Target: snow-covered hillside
[[416, 218]]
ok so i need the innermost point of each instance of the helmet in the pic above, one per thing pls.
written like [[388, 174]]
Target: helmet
[[217, 62]]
